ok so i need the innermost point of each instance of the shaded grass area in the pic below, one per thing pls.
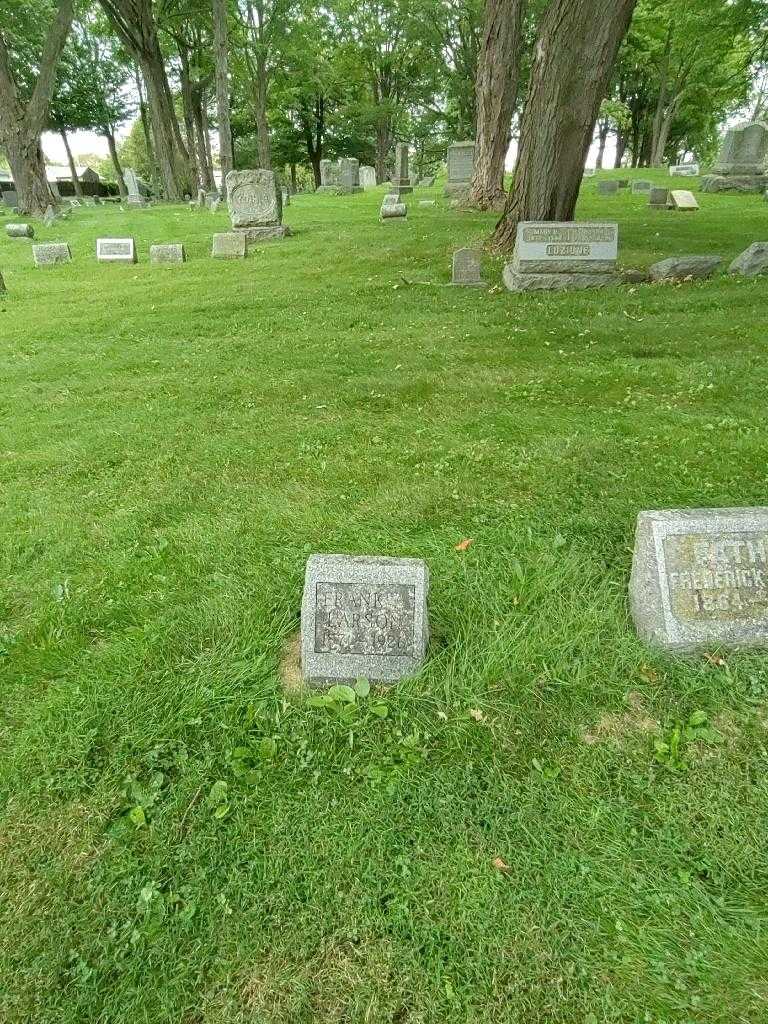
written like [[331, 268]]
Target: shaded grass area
[[503, 846]]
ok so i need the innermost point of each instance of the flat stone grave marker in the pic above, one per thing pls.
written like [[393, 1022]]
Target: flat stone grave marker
[[682, 199], [466, 269], [363, 617], [48, 254], [684, 170], [607, 188], [229, 245], [700, 578], [641, 186], [169, 252], [550, 255], [116, 250], [19, 231], [658, 198]]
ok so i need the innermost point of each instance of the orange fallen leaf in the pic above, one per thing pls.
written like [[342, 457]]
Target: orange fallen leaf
[[648, 673], [717, 660], [499, 864], [463, 545]]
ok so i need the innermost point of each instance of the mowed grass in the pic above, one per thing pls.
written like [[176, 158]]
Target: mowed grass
[[504, 846]]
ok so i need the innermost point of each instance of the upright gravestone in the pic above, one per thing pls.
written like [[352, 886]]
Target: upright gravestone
[[19, 231], [131, 180], [641, 185], [256, 205], [367, 177], [700, 578], [116, 250], [741, 163], [466, 269], [607, 188], [460, 163], [363, 618], [658, 198], [682, 199], [170, 252], [50, 254], [229, 245], [401, 182], [329, 176], [349, 175], [550, 256], [49, 217], [11, 199]]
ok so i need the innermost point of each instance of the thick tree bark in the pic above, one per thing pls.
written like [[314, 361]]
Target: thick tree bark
[[657, 154], [186, 105], [495, 96], [109, 135], [144, 117], [207, 143], [260, 84], [602, 138], [221, 54], [72, 166], [22, 124], [313, 128], [575, 52], [201, 135], [621, 147], [134, 21]]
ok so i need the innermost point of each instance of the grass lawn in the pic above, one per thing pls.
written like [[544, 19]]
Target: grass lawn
[[181, 841]]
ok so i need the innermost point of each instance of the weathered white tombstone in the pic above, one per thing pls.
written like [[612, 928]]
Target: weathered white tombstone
[[607, 188], [255, 205], [349, 175], [460, 163], [363, 618], [401, 182], [170, 252], [286, 194], [367, 177], [741, 163], [229, 245], [19, 231], [466, 269], [700, 578], [551, 256], [641, 185], [684, 170], [116, 250], [682, 199], [49, 254], [131, 180]]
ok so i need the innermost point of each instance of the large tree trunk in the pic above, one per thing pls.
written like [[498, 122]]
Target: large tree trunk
[[575, 52], [260, 85], [186, 104], [495, 96], [72, 166], [110, 137], [602, 138], [207, 142], [657, 151], [621, 147], [221, 53], [22, 124], [144, 116], [201, 136]]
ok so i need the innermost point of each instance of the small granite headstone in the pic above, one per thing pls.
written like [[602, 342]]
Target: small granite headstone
[[554, 256], [741, 163], [116, 250], [367, 176], [256, 205], [680, 268], [607, 188], [363, 618], [49, 254], [682, 199], [640, 185], [349, 175], [751, 262], [461, 164], [229, 245], [19, 231], [700, 578], [170, 252], [684, 170], [201, 198], [658, 198], [466, 269]]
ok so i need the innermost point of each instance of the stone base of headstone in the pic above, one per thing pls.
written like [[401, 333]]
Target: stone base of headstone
[[334, 190], [137, 202], [265, 233], [517, 282], [733, 183], [401, 190], [456, 190]]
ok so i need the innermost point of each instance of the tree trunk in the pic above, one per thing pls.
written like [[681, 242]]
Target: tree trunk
[[657, 154], [110, 137], [189, 121], [72, 167], [207, 142], [294, 184], [602, 138], [495, 97], [621, 147], [260, 84], [575, 52], [221, 52], [383, 144], [145, 129], [201, 129], [22, 122]]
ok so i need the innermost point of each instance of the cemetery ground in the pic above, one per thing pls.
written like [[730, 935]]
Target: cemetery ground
[[552, 823]]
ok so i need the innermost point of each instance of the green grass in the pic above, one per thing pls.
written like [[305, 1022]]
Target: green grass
[[177, 440]]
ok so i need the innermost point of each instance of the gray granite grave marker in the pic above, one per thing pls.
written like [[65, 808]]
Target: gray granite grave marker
[[460, 162], [555, 256], [19, 231], [751, 262], [401, 181], [169, 252], [641, 185], [700, 578], [367, 177], [607, 188], [256, 205], [466, 269], [11, 198], [229, 245], [363, 617], [741, 163], [658, 198], [50, 253], [116, 250]]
